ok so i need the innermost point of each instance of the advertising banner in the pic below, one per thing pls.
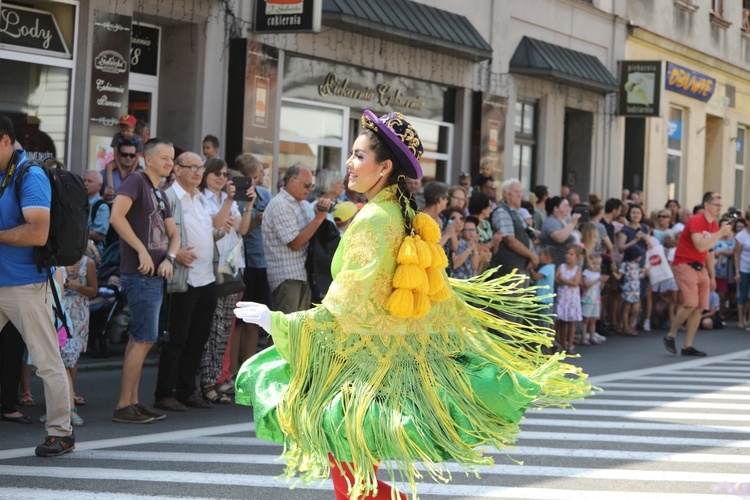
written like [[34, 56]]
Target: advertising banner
[[688, 82], [109, 75], [640, 88]]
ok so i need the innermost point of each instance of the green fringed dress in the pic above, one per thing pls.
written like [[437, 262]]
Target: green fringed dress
[[348, 378]]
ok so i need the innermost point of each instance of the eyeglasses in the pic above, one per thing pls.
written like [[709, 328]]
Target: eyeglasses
[[162, 206], [664, 216], [470, 230], [717, 205], [196, 169], [221, 174], [458, 198], [128, 155]]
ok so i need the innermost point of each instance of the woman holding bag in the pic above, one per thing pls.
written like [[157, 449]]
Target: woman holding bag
[[219, 194]]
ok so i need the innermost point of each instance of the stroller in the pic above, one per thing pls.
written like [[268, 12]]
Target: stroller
[[109, 320]]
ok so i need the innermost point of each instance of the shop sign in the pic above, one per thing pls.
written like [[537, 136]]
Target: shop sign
[[31, 29], [361, 89], [640, 91], [674, 129], [144, 50], [688, 82], [109, 75], [287, 16]]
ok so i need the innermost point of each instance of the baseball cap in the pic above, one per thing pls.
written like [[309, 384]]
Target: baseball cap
[[344, 211], [127, 120]]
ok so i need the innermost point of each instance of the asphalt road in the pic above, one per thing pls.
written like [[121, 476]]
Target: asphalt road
[[666, 426]]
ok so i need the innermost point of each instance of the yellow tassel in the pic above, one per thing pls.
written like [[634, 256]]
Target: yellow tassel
[[426, 227], [439, 259], [421, 305], [407, 253], [401, 303], [442, 294], [424, 282], [409, 277], [423, 251], [435, 279]]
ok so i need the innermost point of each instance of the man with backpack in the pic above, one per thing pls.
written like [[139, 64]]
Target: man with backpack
[[25, 297]]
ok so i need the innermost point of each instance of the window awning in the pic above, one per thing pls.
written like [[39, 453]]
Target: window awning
[[410, 23], [546, 60]]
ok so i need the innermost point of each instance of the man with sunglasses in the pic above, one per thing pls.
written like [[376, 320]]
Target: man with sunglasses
[[286, 233], [25, 297], [116, 170]]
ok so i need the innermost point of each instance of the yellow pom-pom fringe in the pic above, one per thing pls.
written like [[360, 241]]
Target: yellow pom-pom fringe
[[439, 259], [401, 303], [423, 251], [435, 278], [410, 277], [426, 227], [407, 253], [421, 305], [442, 294]]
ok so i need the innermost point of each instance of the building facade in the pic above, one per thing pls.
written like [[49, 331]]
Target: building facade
[[698, 140], [73, 67]]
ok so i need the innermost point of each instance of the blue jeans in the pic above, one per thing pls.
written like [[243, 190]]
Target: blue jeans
[[744, 285], [144, 294]]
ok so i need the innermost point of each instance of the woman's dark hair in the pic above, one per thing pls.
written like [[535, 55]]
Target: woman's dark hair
[[448, 212], [472, 219], [212, 165], [528, 206], [398, 176], [433, 191], [666, 205], [478, 202], [630, 210], [552, 203], [595, 210]]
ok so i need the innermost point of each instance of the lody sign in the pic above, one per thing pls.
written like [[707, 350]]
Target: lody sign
[[32, 30]]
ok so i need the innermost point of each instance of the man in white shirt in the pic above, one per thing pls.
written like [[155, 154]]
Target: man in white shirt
[[192, 302]]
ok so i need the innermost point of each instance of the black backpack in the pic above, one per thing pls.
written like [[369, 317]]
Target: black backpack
[[69, 210], [111, 236]]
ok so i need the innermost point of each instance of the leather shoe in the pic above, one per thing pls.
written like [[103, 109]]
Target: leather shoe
[[669, 344], [170, 404], [23, 419], [196, 401]]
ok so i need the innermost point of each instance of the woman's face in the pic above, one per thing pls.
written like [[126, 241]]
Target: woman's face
[[562, 210], [663, 218], [364, 170], [457, 220], [457, 199], [673, 208], [635, 215], [486, 212], [216, 180], [442, 202], [739, 226]]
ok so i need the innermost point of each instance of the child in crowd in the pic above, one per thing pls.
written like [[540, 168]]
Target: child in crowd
[[465, 261], [210, 147], [568, 280], [591, 298], [631, 274], [544, 279], [127, 134], [711, 317]]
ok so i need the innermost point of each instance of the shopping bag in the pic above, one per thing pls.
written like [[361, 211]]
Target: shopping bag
[[660, 269]]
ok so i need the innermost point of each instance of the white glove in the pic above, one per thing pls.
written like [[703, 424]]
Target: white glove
[[252, 312]]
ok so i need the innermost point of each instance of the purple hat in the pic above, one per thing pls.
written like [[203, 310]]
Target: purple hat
[[401, 138]]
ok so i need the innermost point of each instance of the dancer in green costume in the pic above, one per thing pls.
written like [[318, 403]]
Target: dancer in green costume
[[397, 363]]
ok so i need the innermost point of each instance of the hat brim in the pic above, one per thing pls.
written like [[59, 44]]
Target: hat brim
[[404, 156]]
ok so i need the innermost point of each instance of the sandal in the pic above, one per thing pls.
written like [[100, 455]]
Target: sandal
[[227, 387], [75, 421], [78, 400], [211, 393], [26, 399]]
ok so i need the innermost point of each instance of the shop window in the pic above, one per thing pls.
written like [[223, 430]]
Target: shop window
[[675, 147], [312, 134], [739, 168], [36, 98], [437, 141], [524, 147]]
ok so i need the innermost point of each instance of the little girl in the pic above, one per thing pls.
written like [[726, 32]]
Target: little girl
[[631, 274], [568, 280], [592, 297]]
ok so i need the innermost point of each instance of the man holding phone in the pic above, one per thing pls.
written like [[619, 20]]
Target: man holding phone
[[286, 233]]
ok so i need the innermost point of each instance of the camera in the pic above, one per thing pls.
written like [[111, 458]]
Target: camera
[[324, 209], [733, 213], [530, 233]]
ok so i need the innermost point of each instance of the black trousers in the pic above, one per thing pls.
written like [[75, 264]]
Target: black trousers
[[11, 355], [189, 327]]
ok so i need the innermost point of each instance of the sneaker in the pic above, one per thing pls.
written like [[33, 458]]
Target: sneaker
[[646, 325], [131, 415], [600, 338], [145, 410], [56, 445], [669, 344], [692, 351]]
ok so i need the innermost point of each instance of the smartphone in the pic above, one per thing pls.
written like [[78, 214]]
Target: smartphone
[[582, 209], [242, 184]]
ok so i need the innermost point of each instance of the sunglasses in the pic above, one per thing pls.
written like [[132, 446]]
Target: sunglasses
[[162, 206], [221, 174], [308, 185], [128, 155]]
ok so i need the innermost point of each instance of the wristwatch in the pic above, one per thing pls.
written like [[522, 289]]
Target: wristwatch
[[171, 257]]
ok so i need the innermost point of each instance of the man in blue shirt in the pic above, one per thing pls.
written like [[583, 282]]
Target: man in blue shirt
[[25, 298]]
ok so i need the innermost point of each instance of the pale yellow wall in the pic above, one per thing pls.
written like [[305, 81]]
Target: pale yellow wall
[[696, 178]]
